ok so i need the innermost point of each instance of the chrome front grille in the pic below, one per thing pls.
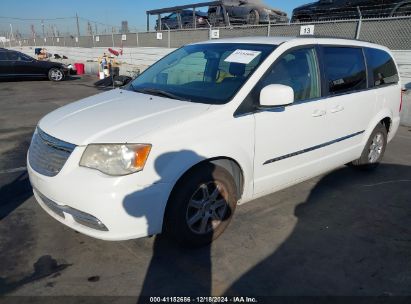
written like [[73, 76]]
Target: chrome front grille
[[47, 154]]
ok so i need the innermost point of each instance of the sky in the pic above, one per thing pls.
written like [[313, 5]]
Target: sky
[[106, 12]]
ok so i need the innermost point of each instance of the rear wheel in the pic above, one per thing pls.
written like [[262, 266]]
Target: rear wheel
[[374, 149], [56, 74], [253, 17], [201, 206]]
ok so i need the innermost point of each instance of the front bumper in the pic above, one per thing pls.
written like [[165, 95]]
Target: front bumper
[[103, 207]]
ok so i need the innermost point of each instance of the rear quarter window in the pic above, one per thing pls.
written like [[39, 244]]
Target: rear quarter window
[[345, 70], [381, 67]]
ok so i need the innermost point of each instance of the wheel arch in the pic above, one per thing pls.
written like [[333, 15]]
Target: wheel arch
[[399, 5], [384, 117], [387, 122], [227, 163]]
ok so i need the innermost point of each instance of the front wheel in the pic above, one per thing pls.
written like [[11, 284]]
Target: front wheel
[[201, 206], [253, 17], [56, 74], [374, 149]]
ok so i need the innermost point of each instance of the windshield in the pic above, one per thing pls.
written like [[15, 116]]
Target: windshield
[[205, 73]]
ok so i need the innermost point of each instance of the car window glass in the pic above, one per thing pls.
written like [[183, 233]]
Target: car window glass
[[13, 56], [190, 68], [381, 66], [207, 73], [344, 69], [224, 66], [299, 70], [172, 16], [24, 57], [3, 56]]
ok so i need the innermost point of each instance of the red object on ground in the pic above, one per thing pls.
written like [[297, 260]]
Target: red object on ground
[[114, 52], [79, 68]]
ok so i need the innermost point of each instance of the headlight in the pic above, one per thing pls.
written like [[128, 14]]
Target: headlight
[[116, 159]]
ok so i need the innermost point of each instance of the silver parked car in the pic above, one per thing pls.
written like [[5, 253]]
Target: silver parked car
[[245, 12]]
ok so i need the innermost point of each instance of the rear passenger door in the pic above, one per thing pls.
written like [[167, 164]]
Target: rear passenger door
[[350, 106]]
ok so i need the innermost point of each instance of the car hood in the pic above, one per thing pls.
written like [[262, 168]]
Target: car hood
[[117, 116]]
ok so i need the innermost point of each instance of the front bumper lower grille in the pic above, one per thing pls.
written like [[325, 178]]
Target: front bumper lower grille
[[80, 217]]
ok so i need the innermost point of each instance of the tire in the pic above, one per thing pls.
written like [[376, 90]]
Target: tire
[[197, 212], [374, 149], [55, 74], [253, 17]]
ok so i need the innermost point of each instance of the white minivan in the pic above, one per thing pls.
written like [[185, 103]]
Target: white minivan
[[210, 126]]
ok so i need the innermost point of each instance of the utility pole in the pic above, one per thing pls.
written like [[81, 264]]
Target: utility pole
[[42, 26], [11, 34], [78, 26]]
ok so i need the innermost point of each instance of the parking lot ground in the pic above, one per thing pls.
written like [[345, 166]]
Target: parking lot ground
[[346, 233]]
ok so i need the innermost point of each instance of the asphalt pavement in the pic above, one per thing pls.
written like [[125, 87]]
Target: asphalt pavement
[[345, 233]]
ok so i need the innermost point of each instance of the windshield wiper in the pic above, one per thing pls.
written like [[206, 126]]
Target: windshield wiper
[[158, 92]]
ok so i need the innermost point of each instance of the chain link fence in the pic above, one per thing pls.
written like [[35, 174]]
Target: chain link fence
[[395, 33]]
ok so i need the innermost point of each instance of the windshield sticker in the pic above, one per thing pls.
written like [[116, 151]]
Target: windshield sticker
[[242, 56]]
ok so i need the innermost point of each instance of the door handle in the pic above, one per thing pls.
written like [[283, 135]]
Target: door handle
[[318, 113], [337, 109]]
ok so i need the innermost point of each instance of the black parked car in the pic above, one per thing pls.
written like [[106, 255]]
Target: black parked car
[[15, 64], [186, 20], [246, 12], [348, 9]]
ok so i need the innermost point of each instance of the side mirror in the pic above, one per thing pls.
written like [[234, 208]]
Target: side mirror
[[276, 95]]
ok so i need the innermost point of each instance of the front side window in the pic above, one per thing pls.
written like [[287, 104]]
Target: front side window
[[382, 67], [344, 69], [205, 73], [16, 56], [297, 69], [173, 16], [13, 56], [24, 57]]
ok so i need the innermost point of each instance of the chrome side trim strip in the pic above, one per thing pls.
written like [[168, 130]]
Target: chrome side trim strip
[[312, 148]]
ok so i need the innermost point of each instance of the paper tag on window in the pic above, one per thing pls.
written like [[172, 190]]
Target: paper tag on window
[[242, 56]]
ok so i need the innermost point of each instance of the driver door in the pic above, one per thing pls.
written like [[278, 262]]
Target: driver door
[[288, 139], [26, 66]]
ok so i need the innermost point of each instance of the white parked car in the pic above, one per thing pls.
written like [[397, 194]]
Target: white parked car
[[210, 126]]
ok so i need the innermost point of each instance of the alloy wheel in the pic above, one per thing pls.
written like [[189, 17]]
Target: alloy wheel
[[376, 148], [207, 207]]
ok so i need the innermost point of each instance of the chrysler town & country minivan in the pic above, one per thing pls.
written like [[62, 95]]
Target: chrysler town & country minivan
[[210, 126]]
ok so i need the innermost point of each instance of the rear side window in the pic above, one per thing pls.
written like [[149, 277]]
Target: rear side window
[[381, 67], [344, 69]]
